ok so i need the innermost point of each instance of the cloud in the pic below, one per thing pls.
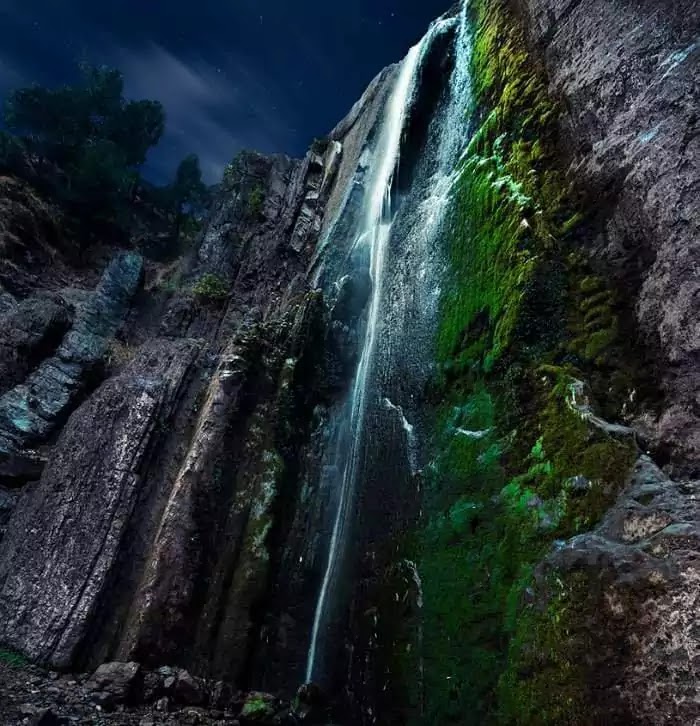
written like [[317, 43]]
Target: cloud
[[211, 111]]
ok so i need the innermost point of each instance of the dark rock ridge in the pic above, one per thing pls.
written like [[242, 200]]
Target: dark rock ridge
[[31, 410], [68, 531]]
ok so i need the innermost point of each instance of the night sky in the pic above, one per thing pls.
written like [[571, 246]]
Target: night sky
[[262, 74]]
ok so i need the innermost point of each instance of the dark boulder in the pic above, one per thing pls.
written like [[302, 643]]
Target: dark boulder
[[114, 683], [29, 333], [189, 690]]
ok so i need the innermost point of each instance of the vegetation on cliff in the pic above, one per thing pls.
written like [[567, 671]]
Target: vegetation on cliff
[[85, 146], [515, 466]]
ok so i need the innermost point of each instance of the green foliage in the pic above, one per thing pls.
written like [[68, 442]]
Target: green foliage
[[548, 641], [91, 133], [60, 123], [257, 708], [186, 198], [211, 287], [242, 177], [188, 191], [12, 659], [521, 316], [320, 144], [255, 201], [11, 151]]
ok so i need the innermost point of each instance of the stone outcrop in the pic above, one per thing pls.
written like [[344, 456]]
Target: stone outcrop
[[642, 592], [30, 332], [70, 530], [31, 410], [31, 243]]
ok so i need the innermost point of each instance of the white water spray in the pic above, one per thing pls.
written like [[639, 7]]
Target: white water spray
[[375, 233], [373, 239]]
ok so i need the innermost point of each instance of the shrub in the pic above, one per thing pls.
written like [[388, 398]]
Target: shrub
[[211, 287], [320, 145], [256, 199]]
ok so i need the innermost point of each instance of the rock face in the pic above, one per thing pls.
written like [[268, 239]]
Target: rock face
[[172, 510], [69, 531], [31, 330], [156, 530], [642, 576], [31, 242], [628, 75], [32, 410]]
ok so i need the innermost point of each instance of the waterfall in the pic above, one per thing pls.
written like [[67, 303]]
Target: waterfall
[[374, 237], [371, 247]]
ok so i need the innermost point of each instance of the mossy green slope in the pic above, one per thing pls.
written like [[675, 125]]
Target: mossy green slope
[[514, 466]]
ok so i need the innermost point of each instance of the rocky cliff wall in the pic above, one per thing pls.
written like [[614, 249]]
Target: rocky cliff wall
[[627, 74], [566, 345], [162, 432], [159, 525]]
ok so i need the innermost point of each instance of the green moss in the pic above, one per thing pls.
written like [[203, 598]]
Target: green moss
[[512, 200], [522, 314], [211, 287], [12, 659], [545, 679], [258, 708]]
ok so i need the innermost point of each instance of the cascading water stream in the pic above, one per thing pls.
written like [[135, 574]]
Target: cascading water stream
[[374, 235], [372, 241]]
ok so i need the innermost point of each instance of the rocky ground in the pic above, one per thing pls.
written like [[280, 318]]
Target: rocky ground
[[124, 693]]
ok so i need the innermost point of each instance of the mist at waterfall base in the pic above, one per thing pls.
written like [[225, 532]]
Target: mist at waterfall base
[[388, 231]]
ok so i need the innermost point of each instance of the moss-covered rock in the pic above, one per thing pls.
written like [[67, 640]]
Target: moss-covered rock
[[518, 462]]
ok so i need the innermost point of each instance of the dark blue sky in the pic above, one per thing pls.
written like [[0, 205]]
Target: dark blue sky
[[232, 74]]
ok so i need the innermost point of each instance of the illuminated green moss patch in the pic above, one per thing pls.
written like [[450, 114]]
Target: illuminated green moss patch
[[514, 466]]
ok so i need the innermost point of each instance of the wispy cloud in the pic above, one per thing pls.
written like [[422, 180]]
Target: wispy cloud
[[210, 112]]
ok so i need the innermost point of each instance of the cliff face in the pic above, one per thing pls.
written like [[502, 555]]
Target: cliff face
[[569, 368], [426, 399], [161, 522], [628, 76]]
